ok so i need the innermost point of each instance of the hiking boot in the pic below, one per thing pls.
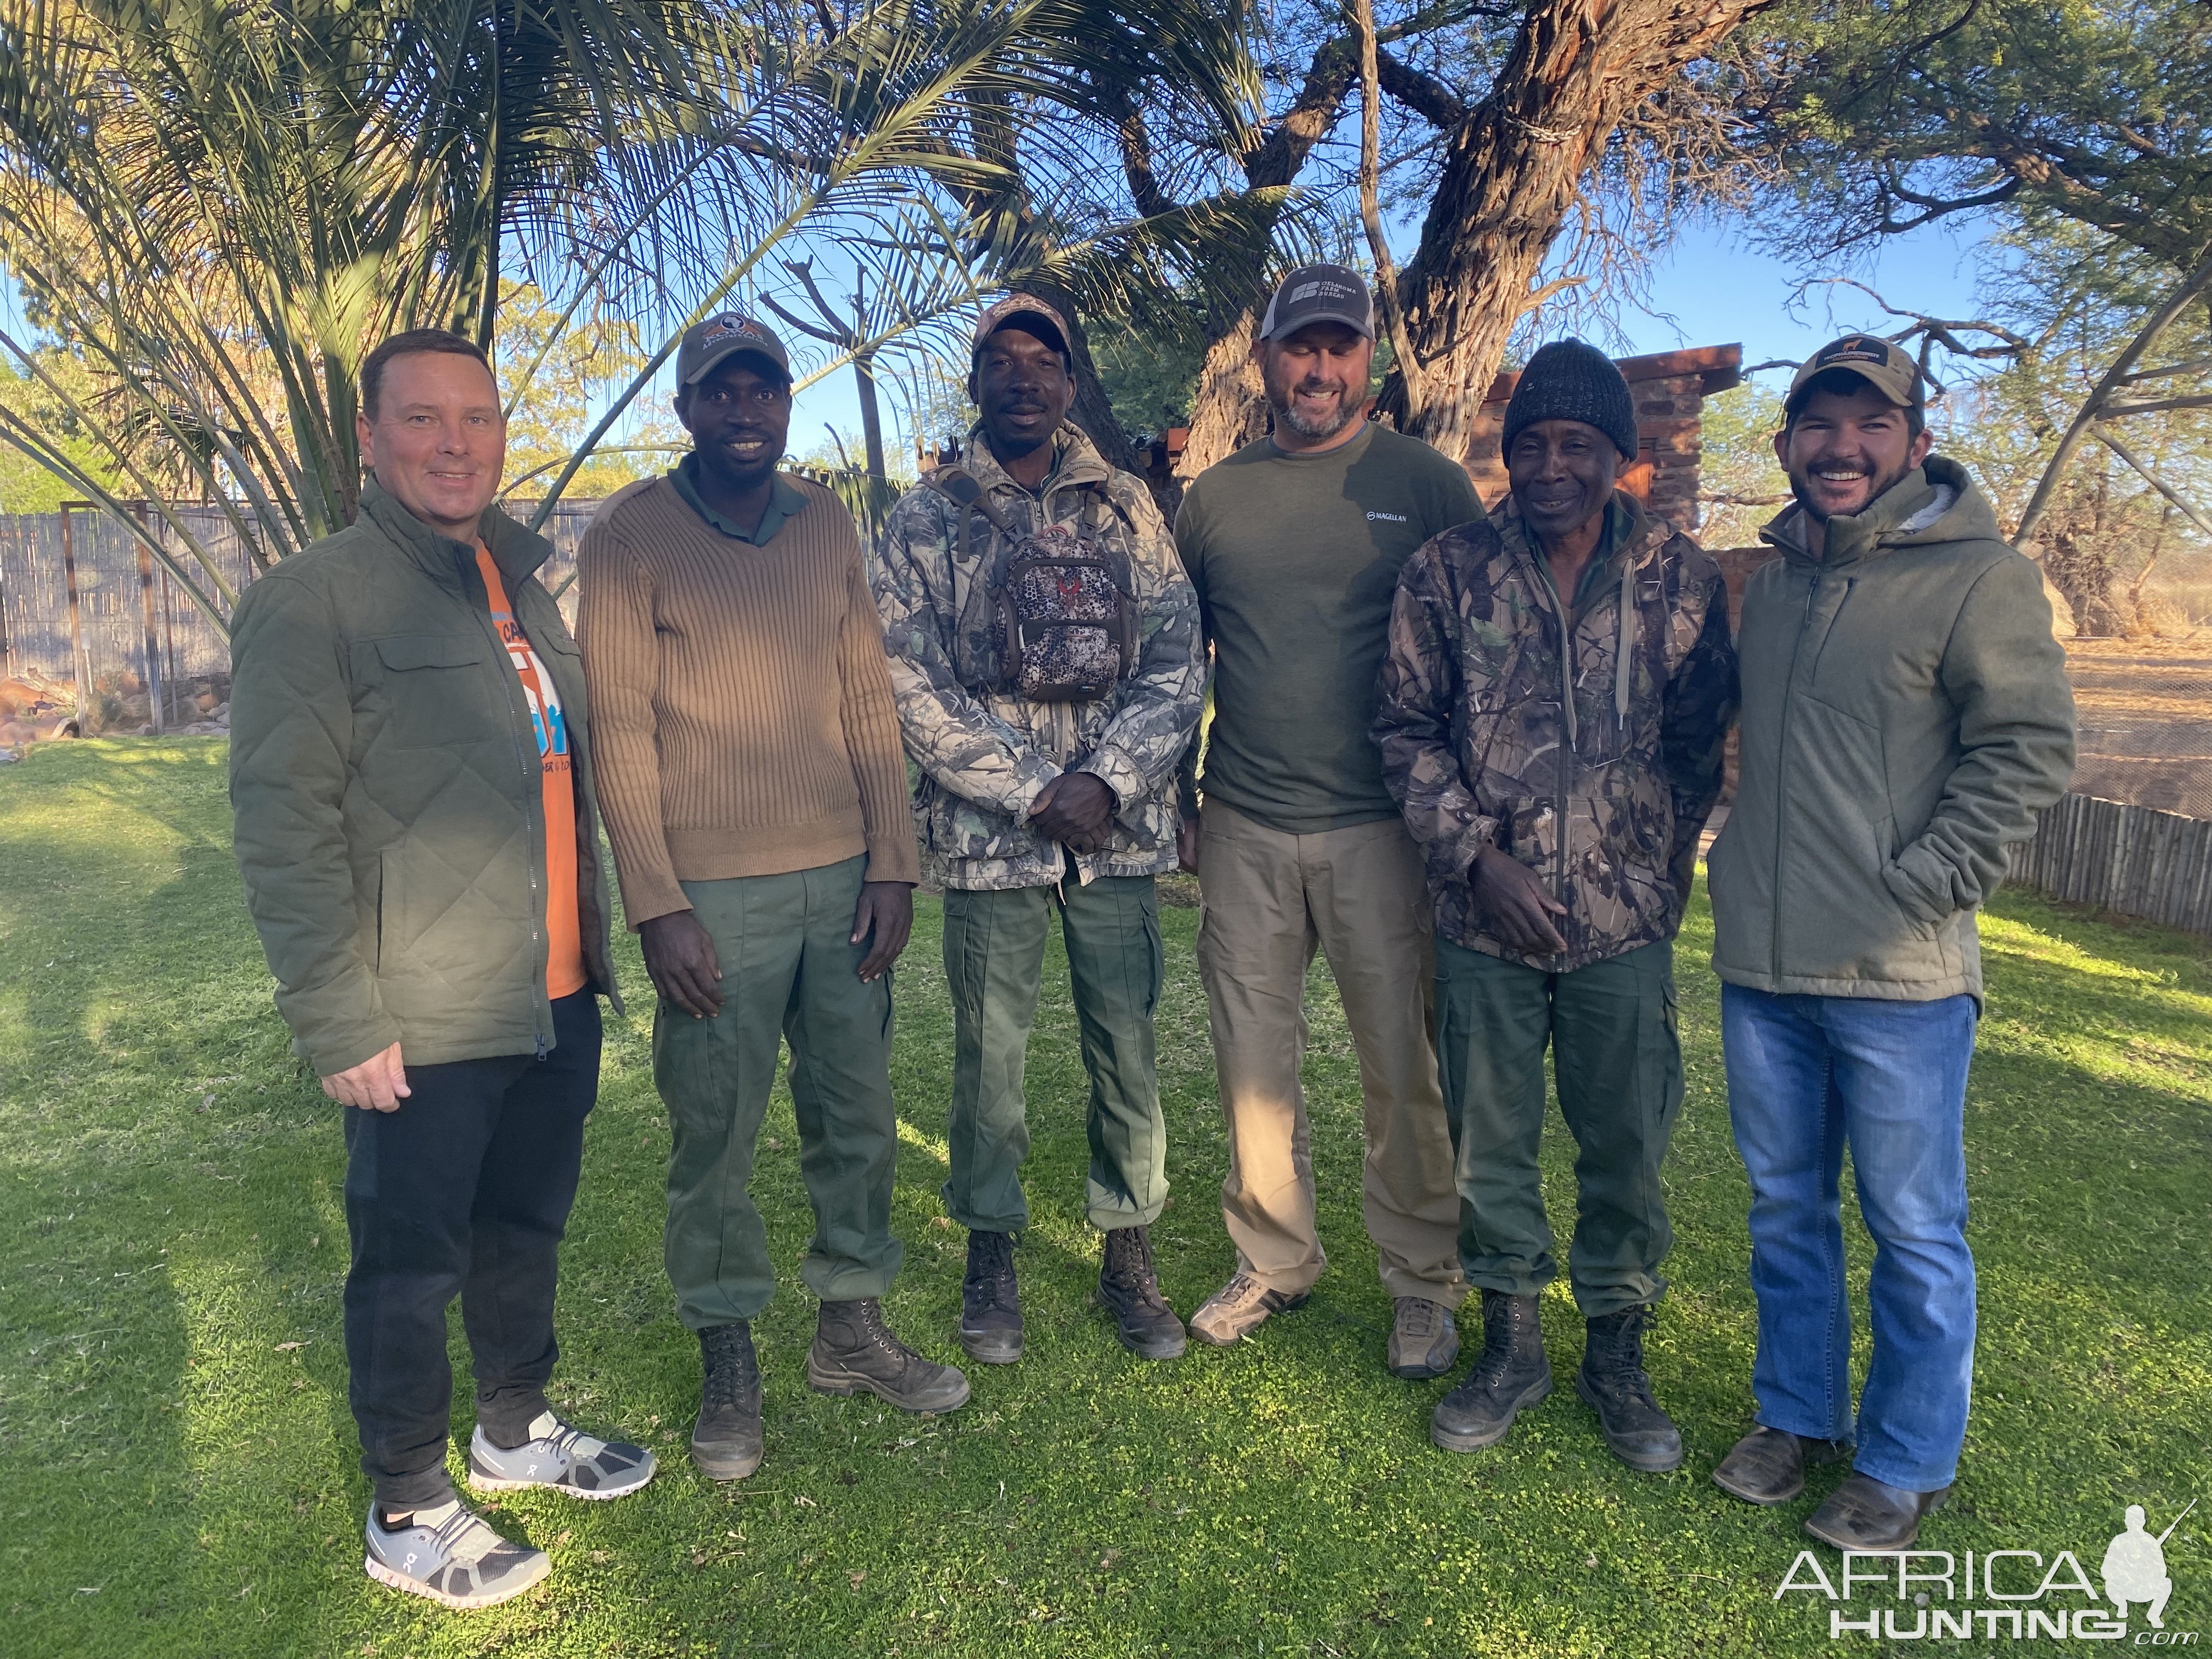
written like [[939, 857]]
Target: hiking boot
[[449, 1554], [1424, 1339], [1128, 1285], [1613, 1380], [726, 1441], [1868, 1514], [853, 1350], [1510, 1374], [1767, 1466], [559, 1455], [990, 1301], [1239, 1308]]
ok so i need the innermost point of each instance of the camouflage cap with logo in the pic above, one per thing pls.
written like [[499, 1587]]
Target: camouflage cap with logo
[[707, 343], [1883, 365], [1035, 316]]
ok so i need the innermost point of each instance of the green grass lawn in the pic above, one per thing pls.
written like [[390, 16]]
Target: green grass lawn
[[179, 1464]]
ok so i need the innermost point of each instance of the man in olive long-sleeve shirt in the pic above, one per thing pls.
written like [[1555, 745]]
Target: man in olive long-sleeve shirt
[[1294, 545]]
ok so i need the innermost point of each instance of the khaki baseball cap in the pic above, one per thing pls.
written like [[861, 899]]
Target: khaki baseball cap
[[1035, 315], [1319, 294], [1883, 365], [705, 344]]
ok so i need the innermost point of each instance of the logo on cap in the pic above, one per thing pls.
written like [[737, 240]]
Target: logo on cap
[[1855, 349]]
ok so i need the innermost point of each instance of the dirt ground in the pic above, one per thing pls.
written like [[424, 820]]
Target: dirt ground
[[2145, 709]]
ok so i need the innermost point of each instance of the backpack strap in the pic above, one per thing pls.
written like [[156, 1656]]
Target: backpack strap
[[956, 483]]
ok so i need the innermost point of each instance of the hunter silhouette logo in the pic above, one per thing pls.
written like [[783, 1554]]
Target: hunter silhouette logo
[[2134, 1568]]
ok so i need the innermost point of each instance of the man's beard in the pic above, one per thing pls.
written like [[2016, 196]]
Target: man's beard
[[1881, 487], [1285, 411]]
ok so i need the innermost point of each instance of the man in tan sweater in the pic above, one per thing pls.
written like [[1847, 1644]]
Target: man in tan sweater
[[753, 784]]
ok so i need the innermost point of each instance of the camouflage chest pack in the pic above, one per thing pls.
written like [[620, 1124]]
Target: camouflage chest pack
[[1057, 620]]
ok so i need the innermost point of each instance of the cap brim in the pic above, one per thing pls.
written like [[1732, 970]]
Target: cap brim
[[1030, 322], [1364, 329], [743, 349]]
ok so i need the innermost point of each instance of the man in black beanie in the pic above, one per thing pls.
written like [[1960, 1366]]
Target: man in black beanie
[[1559, 685]]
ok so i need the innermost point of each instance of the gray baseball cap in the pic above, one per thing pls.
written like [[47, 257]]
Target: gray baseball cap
[[707, 343], [1319, 294]]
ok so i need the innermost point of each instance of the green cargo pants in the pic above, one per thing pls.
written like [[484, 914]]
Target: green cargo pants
[[1611, 1027], [994, 961], [788, 973]]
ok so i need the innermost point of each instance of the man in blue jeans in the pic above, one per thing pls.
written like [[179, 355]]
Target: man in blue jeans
[[1905, 715]]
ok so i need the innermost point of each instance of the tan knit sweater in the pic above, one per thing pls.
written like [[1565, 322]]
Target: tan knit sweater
[[742, 722]]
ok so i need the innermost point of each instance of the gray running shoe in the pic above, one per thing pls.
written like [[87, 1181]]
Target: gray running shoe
[[561, 1456], [451, 1555]]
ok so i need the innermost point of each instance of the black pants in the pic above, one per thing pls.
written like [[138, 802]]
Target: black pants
[[467, 1188]]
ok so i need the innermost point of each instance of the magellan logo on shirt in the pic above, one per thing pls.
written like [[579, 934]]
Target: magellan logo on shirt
[[1391, 518]]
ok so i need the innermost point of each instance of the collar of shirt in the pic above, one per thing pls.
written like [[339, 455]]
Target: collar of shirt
[[784, 502], [1610, 541]]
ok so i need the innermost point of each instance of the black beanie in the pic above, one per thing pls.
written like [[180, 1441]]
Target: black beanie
[[1573, 381]]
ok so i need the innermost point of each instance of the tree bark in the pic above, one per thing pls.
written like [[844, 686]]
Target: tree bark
[[1512, 171]]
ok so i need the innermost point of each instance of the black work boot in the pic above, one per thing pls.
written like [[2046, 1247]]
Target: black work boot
[[854, 1350], [1147, 1326], [1767, 1466], [990, 1301], [1613, 1380], [726, 1441], [1510, 1374]]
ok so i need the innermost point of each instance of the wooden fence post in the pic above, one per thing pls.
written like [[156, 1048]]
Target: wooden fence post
[[77, 666], [153, 645]]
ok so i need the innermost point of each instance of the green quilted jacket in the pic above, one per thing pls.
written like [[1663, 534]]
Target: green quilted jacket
[[387, 799]]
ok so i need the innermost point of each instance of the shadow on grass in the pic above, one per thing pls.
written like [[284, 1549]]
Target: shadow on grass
[[169, 1187]]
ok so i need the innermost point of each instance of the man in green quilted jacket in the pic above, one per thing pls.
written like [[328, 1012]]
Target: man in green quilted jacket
[[414, 822]]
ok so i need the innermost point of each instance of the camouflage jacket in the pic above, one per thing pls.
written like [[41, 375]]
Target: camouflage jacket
[[984, 754], [1591, 754]]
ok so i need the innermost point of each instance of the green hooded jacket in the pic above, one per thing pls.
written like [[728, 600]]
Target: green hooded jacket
[[1905, 716], [387, 797]]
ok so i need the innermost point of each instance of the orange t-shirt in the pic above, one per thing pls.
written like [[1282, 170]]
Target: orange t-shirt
[[564, 957]]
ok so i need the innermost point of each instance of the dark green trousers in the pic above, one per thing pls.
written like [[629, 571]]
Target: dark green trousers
[[788, 973], [994, 961], [1611, 1028]]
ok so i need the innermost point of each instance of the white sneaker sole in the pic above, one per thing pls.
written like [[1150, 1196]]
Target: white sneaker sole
[[399, 1581], [640, 1477]]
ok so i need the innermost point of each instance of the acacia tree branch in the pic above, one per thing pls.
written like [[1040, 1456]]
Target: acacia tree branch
[[1370, 213], [2195, 284], [1420, 92], [2111, 440]]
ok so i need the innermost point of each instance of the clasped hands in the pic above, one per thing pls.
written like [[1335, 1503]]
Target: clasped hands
[[1516, 903], [1076, 809]]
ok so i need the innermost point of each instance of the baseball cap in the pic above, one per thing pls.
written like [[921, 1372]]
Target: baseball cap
[[707, 343], [1882, 364], [1319, 294], [1034, 316]]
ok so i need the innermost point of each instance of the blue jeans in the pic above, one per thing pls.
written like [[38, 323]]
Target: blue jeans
[[1805, 1074]]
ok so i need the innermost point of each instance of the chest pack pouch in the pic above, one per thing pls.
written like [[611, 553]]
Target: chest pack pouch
[[1058, 622]]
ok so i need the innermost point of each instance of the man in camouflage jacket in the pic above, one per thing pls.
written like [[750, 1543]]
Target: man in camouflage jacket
[[1554, 703], [1028, 807]]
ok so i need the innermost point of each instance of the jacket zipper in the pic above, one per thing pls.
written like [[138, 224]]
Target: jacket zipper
[[1781, 765], [533, 805]]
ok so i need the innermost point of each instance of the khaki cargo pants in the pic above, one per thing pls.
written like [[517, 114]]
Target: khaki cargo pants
[[1358, 896]]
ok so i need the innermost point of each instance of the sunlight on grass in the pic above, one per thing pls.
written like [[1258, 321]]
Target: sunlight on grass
[[183, 1480]]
